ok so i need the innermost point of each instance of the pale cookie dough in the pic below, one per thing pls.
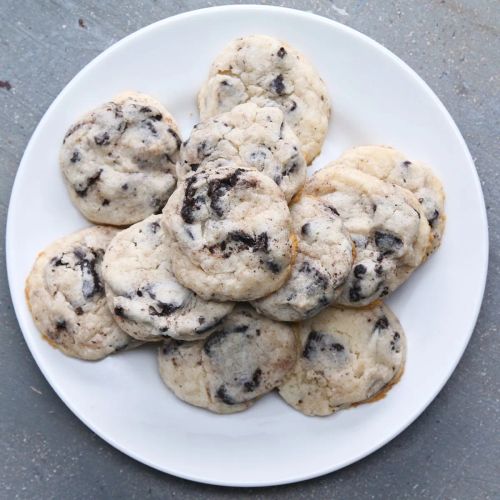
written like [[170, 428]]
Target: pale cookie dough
[[386, 223], [323, 263], [269, 72], [393, 166], [230, 231], [143, 294], [65, 294], [346, 357], [119, 160], [247, 356], [254, 137]]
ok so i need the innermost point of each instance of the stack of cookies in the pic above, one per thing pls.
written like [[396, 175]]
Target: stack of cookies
[[252, 276]]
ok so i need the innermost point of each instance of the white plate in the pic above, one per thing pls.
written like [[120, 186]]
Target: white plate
[[377, 99]]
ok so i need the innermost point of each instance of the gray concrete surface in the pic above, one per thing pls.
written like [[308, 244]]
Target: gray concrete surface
[[452, 451]]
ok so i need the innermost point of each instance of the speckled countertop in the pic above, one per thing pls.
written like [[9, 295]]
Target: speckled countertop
[[451, 451]]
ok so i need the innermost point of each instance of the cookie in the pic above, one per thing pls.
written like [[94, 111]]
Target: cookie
[[118, 160], [247, 356], [347, 356], [65, 295], [323, 262], [230, 231], [253, 137], [146, 300], [393, 166], [387, 226], [269, 72]]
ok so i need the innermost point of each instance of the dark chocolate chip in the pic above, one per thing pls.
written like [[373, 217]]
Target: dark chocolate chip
[[387, 243], [214, 340], [175, 135], [355, 292], [171, 345], [333, 210], [82, 192], [319, 279], [119, 311], [252, 384], [304, 230], [75, 157], [102, 139], [239, 328], [433, 218], [154, 227], [151, 127], [191, 202], [105, 203], [281, 52], [125, 186], [277, 85], [219, 187], [91, 284], [163, 309], [78, 311], [382, 323], [259, 243], [60, 325], [72, 130], [224, 396], [359, 271], [273, 266]]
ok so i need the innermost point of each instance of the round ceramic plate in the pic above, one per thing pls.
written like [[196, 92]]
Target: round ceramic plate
[[376, 99]]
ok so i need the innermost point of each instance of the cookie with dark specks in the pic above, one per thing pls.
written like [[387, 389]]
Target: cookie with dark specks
[[247, 356], [323, 263], [386, 223], [269, 72], [391, 165], [143, 294], [256, 138], [65, 294], [347, 356], [230, 231], [118, 160]]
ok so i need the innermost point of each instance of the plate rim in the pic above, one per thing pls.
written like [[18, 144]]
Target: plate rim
[[476, 185]]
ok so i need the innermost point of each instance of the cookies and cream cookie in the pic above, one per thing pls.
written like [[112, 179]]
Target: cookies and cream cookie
[[143, 294], [65, 294], [118, 160], [230, 232], [269, 72], [256, 138], [387, 226], [247, 356], [346, 357], [323, 262]]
